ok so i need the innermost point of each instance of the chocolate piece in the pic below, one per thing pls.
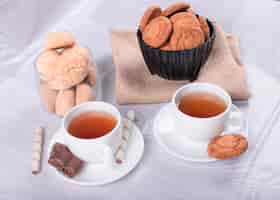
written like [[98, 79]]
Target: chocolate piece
[[60, 156], [73, 167], [64, 160]]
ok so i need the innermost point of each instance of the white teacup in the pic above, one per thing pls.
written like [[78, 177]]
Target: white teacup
[[200, 129], [96, 150]]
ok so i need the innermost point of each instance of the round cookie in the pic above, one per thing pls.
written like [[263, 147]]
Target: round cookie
[[151, 13], [167, 47], [204, 26], [187, 33], [187, 18], [191, 10], [186, 36], [184, 39], [57, 40], [227, 146], [157, 31], [181, 6]]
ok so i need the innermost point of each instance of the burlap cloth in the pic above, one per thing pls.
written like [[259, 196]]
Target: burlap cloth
[[135, 84]]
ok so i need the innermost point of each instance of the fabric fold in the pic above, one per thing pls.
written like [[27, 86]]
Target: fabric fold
[[135, 84]]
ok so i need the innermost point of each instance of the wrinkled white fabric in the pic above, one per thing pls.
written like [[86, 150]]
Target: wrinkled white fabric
[[159, 176]]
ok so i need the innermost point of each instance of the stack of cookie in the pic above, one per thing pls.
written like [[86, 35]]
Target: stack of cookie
[[66, 73], [175, 42], [173, 29]]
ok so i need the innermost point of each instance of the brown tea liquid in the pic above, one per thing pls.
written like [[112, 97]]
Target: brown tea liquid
[[92, 124], [201, 105]]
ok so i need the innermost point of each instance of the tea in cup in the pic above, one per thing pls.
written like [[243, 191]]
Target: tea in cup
[[200, 111], [92, 131]]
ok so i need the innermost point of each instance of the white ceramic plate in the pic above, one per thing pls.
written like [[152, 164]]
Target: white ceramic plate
[[184, 148], [93, 175]]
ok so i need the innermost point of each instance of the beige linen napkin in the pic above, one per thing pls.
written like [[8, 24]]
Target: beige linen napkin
[[135, 84]]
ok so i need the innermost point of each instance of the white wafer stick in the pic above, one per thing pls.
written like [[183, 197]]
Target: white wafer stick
[[37, 147], [126, 134], [37, 150], [120, 155], [37, 138], [124, 145], [128, 123], [131, 115], [35, 165], [36, 156]]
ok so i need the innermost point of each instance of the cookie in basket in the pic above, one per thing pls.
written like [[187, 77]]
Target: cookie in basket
[[157, 32], [175, 43], [151, 13], [177, 7]]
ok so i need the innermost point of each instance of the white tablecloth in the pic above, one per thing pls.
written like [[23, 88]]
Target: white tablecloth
[[159, 176]]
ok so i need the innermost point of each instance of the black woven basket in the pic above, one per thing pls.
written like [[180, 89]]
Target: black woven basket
[[177, 65]]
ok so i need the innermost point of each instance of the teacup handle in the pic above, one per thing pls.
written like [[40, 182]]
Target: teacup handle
[[235, 121]]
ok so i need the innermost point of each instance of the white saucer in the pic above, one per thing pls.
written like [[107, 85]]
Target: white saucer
[[93, 175], [187, 149]]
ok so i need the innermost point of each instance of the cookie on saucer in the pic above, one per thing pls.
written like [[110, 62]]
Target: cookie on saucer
[[227, 146]]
